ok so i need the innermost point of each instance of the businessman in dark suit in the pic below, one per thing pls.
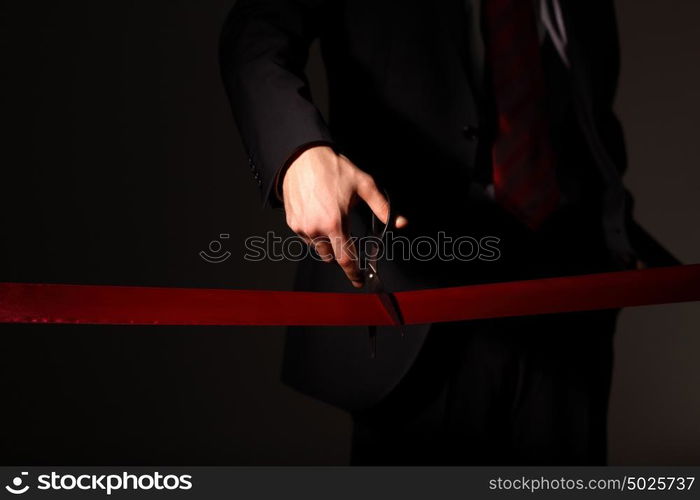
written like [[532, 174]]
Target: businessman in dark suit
[[478, 117]]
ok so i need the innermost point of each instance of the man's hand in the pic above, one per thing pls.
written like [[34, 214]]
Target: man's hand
[[319, 189]]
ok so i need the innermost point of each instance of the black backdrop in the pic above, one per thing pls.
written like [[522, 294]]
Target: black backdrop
[[120, 162]]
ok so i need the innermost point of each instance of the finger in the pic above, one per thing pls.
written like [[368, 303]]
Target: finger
[[323, 248], [346, 256], [305, 237], [377, 202]]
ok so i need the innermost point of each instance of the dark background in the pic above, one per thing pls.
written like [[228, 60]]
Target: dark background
[[120, 162]]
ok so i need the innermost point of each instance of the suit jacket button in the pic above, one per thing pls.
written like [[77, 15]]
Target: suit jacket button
[[470, 132]]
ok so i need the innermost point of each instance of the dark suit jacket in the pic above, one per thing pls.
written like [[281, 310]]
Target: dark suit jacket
[[403, 107]]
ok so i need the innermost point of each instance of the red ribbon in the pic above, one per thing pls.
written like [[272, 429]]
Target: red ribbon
[[125, 305]]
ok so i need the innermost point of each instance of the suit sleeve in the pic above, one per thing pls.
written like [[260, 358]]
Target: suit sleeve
[[263, 51]]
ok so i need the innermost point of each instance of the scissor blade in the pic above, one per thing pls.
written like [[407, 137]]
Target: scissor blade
[[389, 303], [372, 341]]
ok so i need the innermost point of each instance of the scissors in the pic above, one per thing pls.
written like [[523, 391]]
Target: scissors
[[373, 280]]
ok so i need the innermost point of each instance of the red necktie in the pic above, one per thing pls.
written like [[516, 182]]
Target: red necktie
[[524, 176]]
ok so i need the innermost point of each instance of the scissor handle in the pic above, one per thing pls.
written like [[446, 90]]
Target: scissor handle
[[375, 284]]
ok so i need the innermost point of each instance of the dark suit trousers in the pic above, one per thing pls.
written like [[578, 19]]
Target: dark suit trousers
[[525, 390], [509, 391]]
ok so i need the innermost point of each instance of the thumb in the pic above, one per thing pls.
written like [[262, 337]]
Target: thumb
[[379, 205]]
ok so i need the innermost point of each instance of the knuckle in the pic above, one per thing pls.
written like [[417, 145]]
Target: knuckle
[[309, 229], [330, 226], [320, 241], [326, 255], [344, 261], [365, 181]]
